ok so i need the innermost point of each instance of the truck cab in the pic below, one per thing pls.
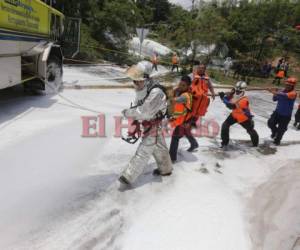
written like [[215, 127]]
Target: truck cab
[[34, 39]]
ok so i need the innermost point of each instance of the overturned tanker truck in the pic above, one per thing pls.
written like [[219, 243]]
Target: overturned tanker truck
[[34, 39]]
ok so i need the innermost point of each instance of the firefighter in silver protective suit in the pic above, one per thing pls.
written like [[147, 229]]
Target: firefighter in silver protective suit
[[149, 108]]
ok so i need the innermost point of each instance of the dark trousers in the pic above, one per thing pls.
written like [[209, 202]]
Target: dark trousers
[[276, 80], [248, 125], [154, 66], [175, 66], [178, 133], [278, 125], [297, 119]]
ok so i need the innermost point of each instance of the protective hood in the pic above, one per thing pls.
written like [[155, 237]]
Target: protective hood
[[140, 71], [141, 94]]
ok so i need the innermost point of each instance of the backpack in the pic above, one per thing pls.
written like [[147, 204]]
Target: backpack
[[166, 92], [200, 105]]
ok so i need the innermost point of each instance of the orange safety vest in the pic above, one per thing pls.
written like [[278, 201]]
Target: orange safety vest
[[201, 101], [238, 113], [200, 85], [181, 110], [154, 60], [174, 60], [280, 74]]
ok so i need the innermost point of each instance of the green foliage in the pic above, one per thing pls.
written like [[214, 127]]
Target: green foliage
[[252, 30], [189, 29], [88, 45], [111, 23], [259, 26], [154, 11], [112, 26]]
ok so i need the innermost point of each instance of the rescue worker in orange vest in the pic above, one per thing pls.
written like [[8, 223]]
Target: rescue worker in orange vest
[[297, 118], [154, 61], [182, 104], [175, 62], [238, 102], [281, 117], [280, 72], [201, 84]]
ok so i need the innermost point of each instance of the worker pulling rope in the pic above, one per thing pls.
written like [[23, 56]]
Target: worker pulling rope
[[127, 86]]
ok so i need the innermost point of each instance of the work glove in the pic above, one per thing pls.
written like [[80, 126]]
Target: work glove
[[221, 94]]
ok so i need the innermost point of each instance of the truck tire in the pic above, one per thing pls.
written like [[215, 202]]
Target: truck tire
[[54, 75]]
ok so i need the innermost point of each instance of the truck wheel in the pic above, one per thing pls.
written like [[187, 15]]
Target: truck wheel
[[54, 75]]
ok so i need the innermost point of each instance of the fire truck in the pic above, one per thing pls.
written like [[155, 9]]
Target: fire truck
[[34, 39]]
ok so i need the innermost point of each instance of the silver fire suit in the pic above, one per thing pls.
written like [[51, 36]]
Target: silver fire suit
[[153, 143]]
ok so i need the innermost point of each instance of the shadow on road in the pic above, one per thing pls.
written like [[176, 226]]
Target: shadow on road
[[15, 102]]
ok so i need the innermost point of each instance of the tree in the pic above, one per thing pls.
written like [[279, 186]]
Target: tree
[[113, 24], [189, 30], [257, 37]]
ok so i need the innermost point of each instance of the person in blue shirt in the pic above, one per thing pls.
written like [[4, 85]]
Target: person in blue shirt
[[281, 117], [239, 103], [297, 119]]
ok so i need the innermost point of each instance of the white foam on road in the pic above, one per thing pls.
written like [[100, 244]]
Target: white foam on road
[[60, 191], [101, 75]]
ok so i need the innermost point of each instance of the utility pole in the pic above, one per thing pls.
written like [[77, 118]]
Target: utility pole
[[193, 4], [142, 34]]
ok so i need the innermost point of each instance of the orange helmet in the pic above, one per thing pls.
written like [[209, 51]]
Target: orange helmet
[[291, 81]]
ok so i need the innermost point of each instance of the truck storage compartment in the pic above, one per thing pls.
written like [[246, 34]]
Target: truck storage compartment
[[10, 71]]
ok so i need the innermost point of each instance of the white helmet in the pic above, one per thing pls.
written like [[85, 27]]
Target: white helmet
[[241, 86], [140, 71], [147, 67]]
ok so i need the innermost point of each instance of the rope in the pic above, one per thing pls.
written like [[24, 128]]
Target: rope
[[73, 104], [78, 87], [90, 62], [253, 88], [127, 86], [82, 61], [115, 51], [78, 106]]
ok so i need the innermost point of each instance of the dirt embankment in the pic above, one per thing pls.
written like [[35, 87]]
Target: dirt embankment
[[274, 211]]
